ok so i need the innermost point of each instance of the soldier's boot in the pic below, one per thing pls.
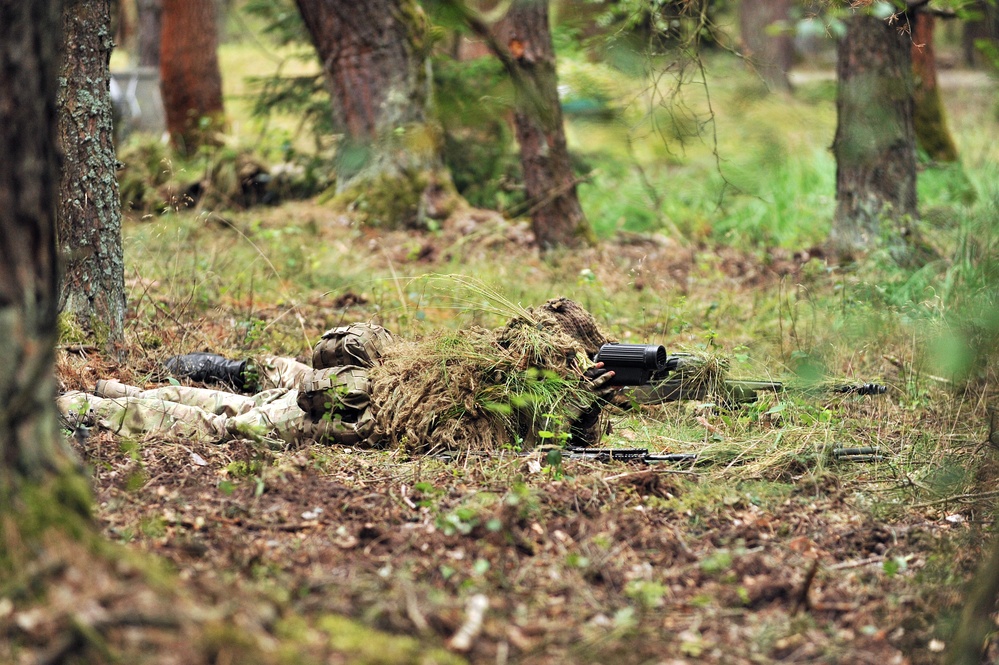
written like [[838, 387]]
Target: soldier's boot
[[114, 388], [209, 368]]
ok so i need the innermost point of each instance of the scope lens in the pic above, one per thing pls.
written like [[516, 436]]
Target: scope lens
[[655, 356]]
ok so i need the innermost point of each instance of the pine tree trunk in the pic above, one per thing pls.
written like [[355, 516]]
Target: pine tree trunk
[[875, 141], [374, 58], [93, 288], [29, 438], [189, 73], [985, 28], [928, 113], [767, 44], [149, 25], [550, 184]]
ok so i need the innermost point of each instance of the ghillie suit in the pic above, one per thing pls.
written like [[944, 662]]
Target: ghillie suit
[[480, 389]]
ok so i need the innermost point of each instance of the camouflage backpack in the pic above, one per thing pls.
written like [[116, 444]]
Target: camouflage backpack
[[337, 401], [358, 344]]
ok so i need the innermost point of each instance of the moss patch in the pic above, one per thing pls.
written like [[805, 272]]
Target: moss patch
[[372, 647], [411, 198]]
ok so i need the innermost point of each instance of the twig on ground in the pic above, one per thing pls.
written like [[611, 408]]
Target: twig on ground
[[957, 497], [474, 611], [414, 613], [802, 599], [845, 565]]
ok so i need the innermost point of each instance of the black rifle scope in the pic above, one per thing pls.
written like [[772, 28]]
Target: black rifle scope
[[633, 364]]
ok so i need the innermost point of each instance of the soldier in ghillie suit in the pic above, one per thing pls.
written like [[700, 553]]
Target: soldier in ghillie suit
[[529, 382]]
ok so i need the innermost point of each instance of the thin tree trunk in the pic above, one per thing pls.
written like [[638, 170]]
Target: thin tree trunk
[[929, 119], [875, 141], [374, 58], [189, 73], [149, 26], [767, 42], [968, 644], [983, 29], [29, 437], [550, 185], [93, 288]]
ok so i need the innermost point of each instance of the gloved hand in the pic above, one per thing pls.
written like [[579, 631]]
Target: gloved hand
[[585, 425], [597, 379]]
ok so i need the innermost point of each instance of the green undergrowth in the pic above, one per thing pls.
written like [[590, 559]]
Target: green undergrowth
[[702, 249]]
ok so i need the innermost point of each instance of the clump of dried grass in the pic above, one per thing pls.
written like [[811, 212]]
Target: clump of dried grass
[[481, 390], [699, 375]]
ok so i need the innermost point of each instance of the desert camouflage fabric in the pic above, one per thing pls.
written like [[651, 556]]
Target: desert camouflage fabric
[[299, 403]]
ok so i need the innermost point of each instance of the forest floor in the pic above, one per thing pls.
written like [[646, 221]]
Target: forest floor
[[501, 557]]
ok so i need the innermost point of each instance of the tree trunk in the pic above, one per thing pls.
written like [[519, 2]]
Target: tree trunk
[[189, 73], [767, 40], [929, 120], [30, 451], [875, 142], [967, 647], [985, 29], [374, 58], [550, 184], [149, 26], [93, 289]]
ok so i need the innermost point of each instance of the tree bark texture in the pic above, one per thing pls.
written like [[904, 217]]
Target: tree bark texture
[[984, 28], [148, 32], [374, 57], [929, 119], [93, 285], [875, 141], [549, 183], [189, 73], [29, 39], [767, 40], [967, 646]]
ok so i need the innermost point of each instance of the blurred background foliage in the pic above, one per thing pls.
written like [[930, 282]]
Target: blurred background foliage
[[671, 135]]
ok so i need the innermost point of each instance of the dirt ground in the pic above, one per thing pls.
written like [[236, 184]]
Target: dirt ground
[[503, 559]]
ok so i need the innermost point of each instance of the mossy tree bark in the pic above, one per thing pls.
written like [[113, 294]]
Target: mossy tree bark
[[93, 286], [35, 475], [929, 119], [374, 57], [766, 39], [875, 141], [190, 78], [556, 215]]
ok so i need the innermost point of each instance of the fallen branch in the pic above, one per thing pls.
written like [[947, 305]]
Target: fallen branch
[[957, 497], [845, 565], [475, 610], [801, 600]]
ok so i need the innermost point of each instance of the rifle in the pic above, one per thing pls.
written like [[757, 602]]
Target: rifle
[[865, 454], [627, 455], [656, 377]]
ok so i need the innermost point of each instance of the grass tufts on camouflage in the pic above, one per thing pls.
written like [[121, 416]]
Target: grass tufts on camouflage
[[483, 390]]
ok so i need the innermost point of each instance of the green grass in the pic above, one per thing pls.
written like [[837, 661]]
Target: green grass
[[268, 279]]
